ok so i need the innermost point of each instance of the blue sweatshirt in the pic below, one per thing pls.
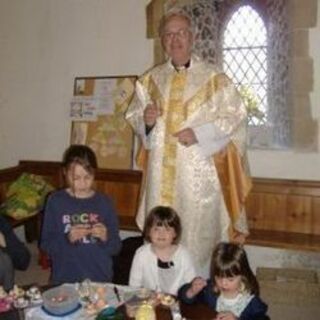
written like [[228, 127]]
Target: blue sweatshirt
[[89, 258]]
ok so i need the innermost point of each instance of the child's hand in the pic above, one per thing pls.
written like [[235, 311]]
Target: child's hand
[[226, 315], [78, 232], [99, 231], [197, 285]]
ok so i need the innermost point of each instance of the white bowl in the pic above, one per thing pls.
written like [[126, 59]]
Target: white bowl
[[60, 300]]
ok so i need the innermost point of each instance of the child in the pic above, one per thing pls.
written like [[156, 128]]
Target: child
[[80, 228], [162, 264], [13, 254], [232, 291]]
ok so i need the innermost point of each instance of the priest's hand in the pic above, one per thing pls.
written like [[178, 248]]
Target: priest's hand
[[186, 137]]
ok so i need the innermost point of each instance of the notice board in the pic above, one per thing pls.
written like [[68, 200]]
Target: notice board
[[97, 114]]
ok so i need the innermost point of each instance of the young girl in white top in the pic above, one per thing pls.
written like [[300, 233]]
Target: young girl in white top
[[162, 264], [232, 291]]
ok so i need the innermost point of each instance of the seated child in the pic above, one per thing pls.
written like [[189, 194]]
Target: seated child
[[80, 228], [232, 291], [162, 264], [13, 254]]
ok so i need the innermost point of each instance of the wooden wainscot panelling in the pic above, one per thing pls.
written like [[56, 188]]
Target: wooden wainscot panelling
[[281, 213], [316, 215], [49, 170], [300, 214], [123, 186], [284, 214], [266, 211]]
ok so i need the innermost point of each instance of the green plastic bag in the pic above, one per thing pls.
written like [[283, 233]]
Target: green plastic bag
[[25, 196]]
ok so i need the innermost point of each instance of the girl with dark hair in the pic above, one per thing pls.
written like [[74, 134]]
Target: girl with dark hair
[[232, 291], [162, 264], [80, 228]]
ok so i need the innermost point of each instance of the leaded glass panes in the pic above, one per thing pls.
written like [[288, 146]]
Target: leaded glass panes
[[245, 60]]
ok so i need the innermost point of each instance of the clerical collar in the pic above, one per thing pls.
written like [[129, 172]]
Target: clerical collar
[[183, 67]]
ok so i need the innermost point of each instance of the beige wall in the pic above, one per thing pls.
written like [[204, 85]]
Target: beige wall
[[46, 43]]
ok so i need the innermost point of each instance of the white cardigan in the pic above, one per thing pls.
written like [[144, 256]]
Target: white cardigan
[[144, 269]]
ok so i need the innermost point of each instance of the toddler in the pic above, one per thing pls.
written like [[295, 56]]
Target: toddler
[[162, 264], [232, 291]]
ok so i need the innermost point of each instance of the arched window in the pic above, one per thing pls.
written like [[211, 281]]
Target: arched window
[[250, 39], [255, 54], [245, 60]]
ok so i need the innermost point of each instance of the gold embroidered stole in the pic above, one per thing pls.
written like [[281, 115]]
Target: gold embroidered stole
[[174, 113]]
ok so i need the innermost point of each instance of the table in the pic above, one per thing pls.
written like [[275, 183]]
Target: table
[[195, 311], [192, 312]]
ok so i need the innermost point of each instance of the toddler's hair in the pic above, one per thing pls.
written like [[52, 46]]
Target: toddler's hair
[[230, 259], [162, 216], [82, 155]]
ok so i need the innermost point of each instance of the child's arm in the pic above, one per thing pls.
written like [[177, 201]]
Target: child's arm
[[255, 310], [189, 292], [112, 241], [136, 271], [197, 285]]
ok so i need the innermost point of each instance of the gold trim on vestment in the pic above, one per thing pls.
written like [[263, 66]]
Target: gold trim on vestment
[[174, 115], [217, 82], [153, 90]]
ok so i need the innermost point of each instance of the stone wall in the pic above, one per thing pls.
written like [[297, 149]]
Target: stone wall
[[303, 17]]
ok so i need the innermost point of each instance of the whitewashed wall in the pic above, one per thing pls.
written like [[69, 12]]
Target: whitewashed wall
[[44, 45]]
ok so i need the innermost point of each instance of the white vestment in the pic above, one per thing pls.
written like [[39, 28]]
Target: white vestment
[[185, 178]]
